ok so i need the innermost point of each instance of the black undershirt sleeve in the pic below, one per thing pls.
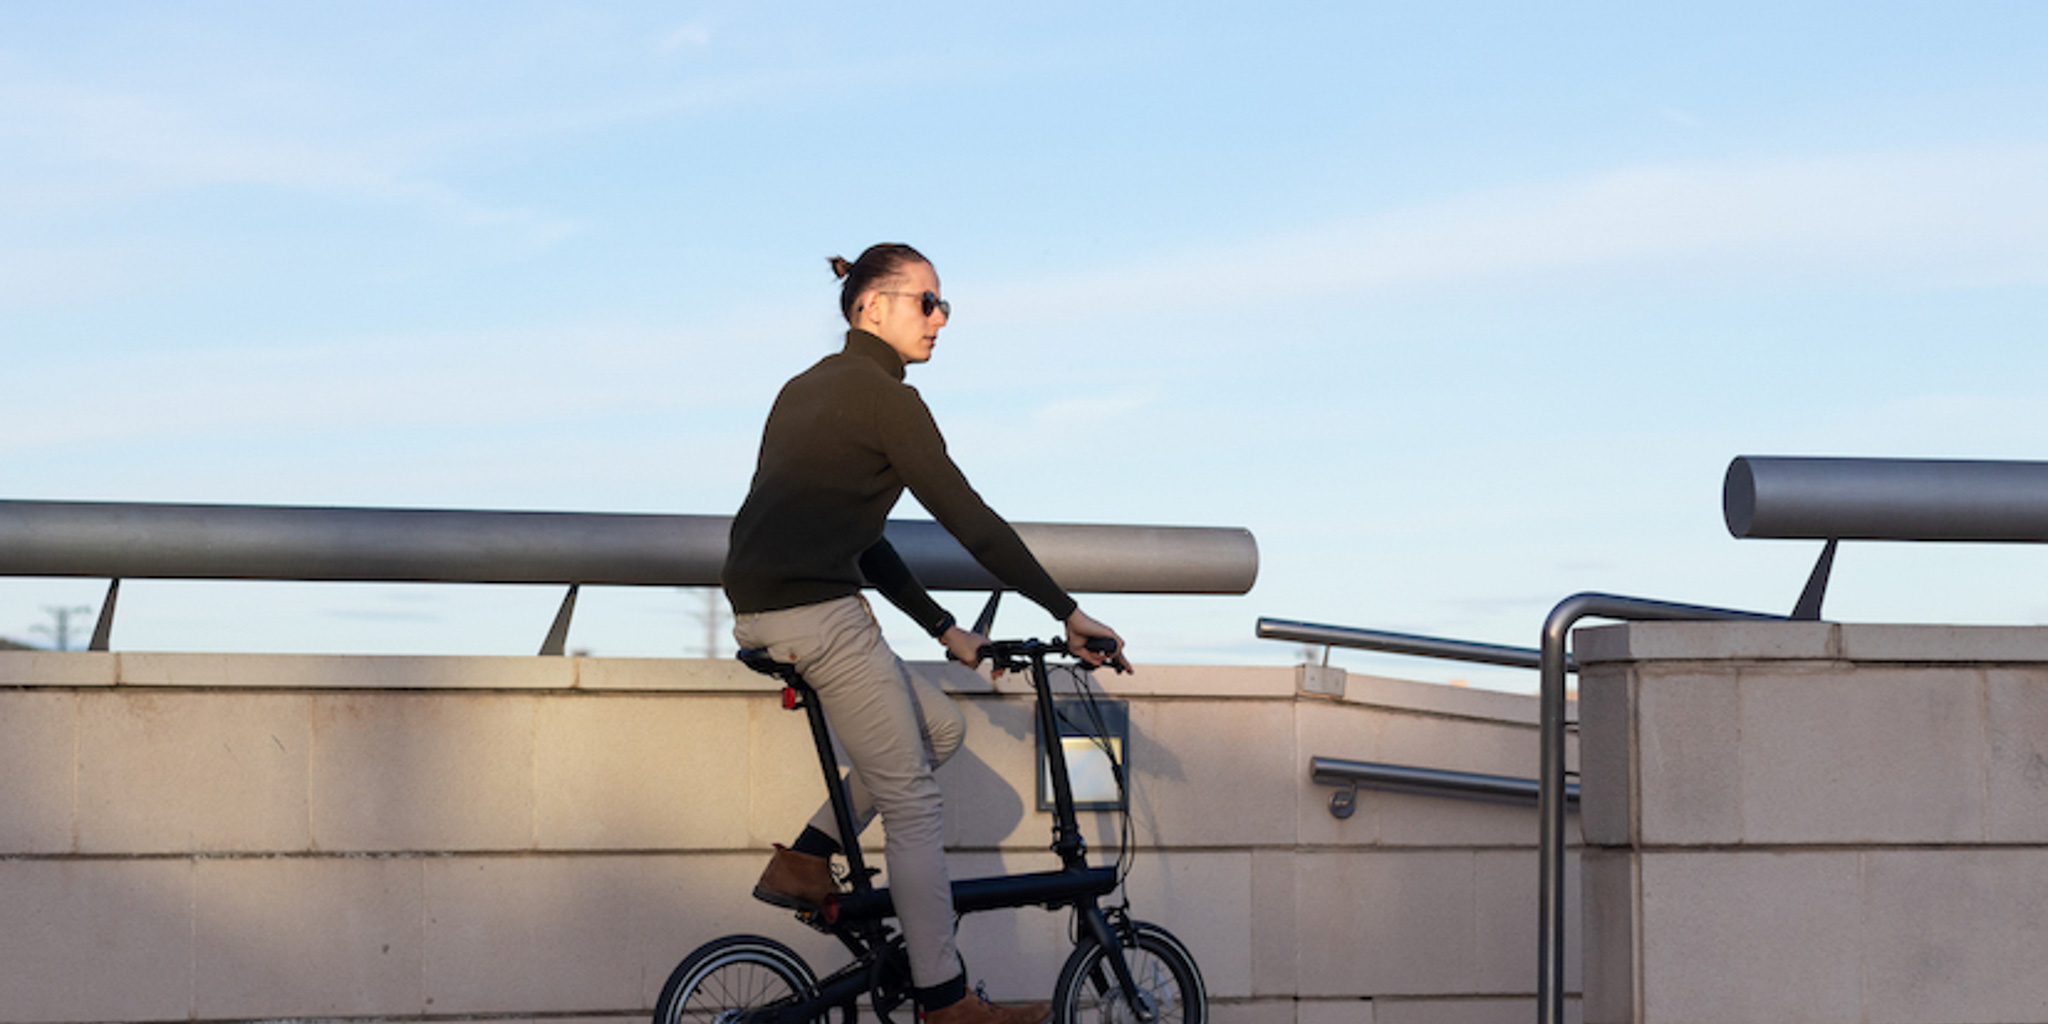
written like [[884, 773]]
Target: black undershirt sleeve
[[884, 568]]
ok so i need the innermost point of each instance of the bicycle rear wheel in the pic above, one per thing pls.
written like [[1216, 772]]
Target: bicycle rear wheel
[[726, 978], [1168, 982]]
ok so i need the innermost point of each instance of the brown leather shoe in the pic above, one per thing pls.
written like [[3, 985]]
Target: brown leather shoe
[[975, 1010], [799, 881]]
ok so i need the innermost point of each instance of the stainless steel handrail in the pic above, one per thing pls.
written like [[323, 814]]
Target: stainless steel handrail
[[1550, 776], [1401, 778], [1399, 643], [1553, 662]]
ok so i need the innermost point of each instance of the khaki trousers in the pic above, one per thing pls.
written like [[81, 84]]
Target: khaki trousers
[[894, 729]]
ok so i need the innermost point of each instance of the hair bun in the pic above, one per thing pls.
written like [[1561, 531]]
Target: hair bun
[[840, 268]]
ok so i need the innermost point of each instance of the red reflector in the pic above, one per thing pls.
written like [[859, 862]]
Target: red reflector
[[789, 698]]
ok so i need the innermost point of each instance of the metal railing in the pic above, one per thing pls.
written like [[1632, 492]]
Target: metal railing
[[1553, 662], [117, 541], [1836, 499], [1401, 778]]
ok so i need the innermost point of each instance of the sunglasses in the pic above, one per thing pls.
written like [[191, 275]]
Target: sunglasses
[[928, 302]]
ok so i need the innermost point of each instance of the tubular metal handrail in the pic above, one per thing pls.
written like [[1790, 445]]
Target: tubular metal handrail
[[1553, 662], [117, 540], [1886, 499], [1400, 643], [1401, 778], [1551, 775]]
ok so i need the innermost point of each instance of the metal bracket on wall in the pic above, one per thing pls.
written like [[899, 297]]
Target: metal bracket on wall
[[1808, 608], [558, 636], [1344, 802], [103, 630]]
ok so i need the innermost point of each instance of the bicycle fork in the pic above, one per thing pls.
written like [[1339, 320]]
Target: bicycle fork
[[1110, 938]]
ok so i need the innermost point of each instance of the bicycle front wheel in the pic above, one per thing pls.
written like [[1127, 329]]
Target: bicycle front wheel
[[1169, 984], [726, 979]]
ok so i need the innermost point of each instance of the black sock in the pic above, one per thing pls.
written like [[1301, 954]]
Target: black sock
[[815, 843], [943, 994]]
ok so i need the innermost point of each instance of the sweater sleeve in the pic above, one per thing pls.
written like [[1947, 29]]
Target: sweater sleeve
[[884, 568], [918, 452]]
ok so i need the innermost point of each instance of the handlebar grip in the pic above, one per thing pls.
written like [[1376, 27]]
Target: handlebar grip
[[1101, 644]]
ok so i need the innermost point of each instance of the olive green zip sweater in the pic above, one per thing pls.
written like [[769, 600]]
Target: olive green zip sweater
[[843, 440]]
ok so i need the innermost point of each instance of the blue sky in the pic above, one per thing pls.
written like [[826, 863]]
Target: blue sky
[[1460, 308]]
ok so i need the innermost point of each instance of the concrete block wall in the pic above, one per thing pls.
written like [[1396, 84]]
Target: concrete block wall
[[1815, 822], [253, 837]]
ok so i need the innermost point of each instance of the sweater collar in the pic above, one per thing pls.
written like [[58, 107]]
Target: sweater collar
[[859, 342]]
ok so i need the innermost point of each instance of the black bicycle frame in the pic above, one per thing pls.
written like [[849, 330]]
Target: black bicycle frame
[[857, 917]]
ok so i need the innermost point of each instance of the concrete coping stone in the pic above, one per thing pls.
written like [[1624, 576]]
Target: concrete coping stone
[[1809, 641], [223, 671]]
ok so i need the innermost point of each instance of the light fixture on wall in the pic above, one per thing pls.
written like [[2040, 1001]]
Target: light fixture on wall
[[1096, 736]]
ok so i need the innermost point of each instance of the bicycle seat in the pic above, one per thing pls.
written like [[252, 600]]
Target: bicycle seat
[[758, 659]]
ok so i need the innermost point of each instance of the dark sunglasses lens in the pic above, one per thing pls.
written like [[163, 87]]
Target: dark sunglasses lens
[[932, 302]]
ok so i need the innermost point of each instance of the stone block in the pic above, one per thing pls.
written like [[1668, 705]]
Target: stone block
[[991, 786], [1386, 923], [1204, 899], [1690, 752], [95, 940], [1461, 745], [1607, 756], [537, 935], [1607, 911], [1337, 1011], [58, 668], [585, 934], [666, 675], [642, 773], [39, 760], [352, 671], [680, 903], [1269, 1011], [1210, 769], [1463, 1011], [1705, 641], [2016, 716], [399, 772], [1955, 935], [1275, 939], [1217, 681], [784, 784], [1751, 938], [1941, 643], [1507, 907], [192, 772], [1329, 729], [353, 947], [1880, 755]]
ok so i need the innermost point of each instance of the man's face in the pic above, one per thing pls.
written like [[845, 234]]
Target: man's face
[[895, 313]]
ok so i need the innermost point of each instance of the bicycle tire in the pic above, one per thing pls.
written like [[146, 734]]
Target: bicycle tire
[[721, 980], [1163, 968]]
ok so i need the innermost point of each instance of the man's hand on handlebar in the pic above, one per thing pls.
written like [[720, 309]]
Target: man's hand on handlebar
[[965, 647], [1081, 628]]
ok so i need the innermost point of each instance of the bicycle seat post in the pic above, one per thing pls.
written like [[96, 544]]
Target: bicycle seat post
[[798, 694]]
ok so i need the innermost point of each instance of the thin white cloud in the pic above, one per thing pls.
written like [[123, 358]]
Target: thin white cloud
[[1952, 218], [693, 36], [131, 146]]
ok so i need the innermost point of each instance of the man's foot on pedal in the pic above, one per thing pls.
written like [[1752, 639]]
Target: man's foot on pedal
[[976, 1010], [798, 881]]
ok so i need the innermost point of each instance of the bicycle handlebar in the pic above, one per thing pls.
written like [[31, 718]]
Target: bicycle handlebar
[[1016, 654]]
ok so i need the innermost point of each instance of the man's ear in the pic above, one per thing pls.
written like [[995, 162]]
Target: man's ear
[[864, 312]]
